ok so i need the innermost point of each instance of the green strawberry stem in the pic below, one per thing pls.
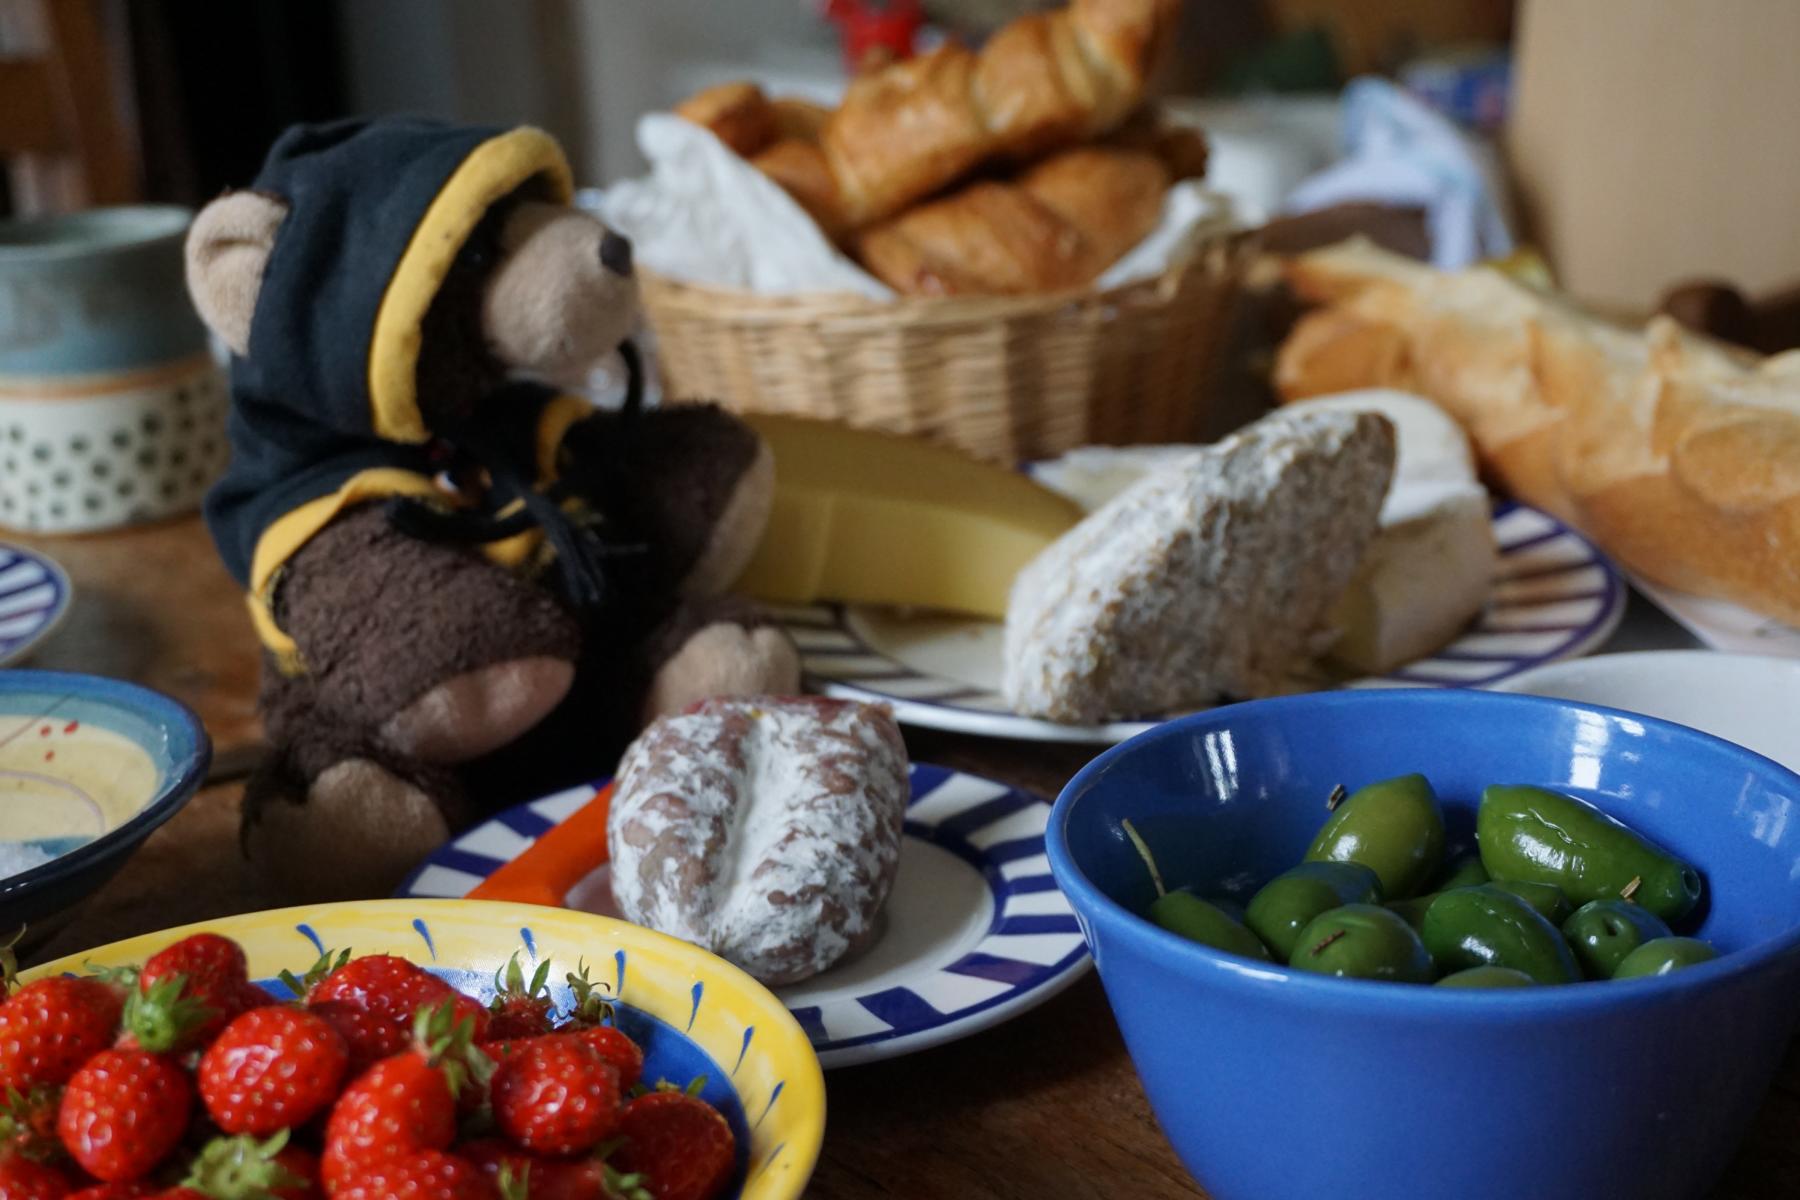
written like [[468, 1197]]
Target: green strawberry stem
[[160, 1018], [591, 1005], [449, 1045], [626, 1187], [242, 1168], [509, 981], [302, 985], [514, 1185], [9, 963]]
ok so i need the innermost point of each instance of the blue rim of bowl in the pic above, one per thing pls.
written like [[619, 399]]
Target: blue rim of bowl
[[185, 774], [1327, 992]]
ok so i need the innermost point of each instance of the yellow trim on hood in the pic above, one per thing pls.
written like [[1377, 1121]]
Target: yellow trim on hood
[[491, 171], [289, 532]]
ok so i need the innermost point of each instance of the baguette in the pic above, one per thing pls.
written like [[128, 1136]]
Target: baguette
[[912, 128], [1678, 455]]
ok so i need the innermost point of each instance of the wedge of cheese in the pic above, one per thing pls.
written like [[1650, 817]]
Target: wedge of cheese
[[1430, 570], [873, 518], [1426, 574]]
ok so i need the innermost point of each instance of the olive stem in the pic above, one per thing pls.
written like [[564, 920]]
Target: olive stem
[[1630, 889], [1338, 792], [1144, 853], [1332, 937]]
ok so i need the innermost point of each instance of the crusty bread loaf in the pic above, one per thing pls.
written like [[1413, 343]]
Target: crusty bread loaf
[[1679, 455]]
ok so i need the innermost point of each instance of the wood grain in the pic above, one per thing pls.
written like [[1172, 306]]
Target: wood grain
[[1045, 1107]]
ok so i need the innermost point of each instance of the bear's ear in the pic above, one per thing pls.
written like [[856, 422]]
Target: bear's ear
[[227, 249]]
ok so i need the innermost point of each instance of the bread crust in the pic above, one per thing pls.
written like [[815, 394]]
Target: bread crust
[[1678, 455]]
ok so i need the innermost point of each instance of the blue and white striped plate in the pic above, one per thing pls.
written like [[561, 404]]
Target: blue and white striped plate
[[974, 932], [34, 595], [1555, 596]]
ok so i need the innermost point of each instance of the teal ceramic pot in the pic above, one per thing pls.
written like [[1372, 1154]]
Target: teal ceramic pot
[[112, 404]]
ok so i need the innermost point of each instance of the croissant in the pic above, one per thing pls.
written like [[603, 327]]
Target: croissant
[[1057, 225], [1045, 81]]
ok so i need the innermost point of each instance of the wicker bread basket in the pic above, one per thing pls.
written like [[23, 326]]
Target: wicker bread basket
[[1006, 378]]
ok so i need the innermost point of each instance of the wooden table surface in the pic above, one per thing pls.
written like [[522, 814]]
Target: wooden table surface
[[1045, 1107]]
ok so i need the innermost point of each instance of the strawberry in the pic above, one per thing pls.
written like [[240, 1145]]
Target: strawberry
[[591, 1021], [555, 1095], [114, 1191], [214, 976], [519, 1009], [405, 1103], [387, 992], [252, 996], [515, 1173], [49, 1028], [678, 1143], [368, 1036], [22, 1179], [425, 1175], [28, 1124], [401, 1104], [123, 1113], [614, 1048], [271, 1069], [242, 1168]]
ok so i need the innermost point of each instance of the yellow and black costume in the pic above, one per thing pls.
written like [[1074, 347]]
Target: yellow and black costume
[[326, 406]]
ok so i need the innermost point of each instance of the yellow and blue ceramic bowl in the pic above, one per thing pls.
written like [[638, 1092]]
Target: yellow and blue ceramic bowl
[[89, 767], [693, 1013]]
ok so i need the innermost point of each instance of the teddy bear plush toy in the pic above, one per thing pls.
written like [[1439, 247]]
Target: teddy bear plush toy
[[471, 586]]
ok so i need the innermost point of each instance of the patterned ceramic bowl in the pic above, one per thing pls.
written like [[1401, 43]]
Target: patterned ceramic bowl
[[112, 405], [89, 768], [693, 1014]]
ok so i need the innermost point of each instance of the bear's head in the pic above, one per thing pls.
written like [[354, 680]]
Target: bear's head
[[413, 265]]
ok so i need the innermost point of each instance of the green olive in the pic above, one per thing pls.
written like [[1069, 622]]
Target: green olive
[[1659, 956], [1487, 977], [1393, 827], [1603, 932], [1466, 871], [1362, 941], [1547, 898], [1197, 920], [1485, 926], [1412, 909], [1284, 905], [1545, 837]]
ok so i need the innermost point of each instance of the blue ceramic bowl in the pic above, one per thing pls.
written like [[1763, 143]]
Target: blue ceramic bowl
[[44, 718], [1276, 1084]]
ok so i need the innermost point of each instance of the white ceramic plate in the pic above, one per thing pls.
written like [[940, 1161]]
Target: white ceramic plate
[[34, 596], [1555, 597], [974, 932], [1749, 699]]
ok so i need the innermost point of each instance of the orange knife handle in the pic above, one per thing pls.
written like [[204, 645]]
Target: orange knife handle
[[557, 861]]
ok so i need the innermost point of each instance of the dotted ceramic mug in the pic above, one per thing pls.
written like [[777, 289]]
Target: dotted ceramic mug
[[112, 404]]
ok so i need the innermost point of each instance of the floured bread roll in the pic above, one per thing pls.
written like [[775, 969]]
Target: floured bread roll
[[766, 830], [1207, 579]]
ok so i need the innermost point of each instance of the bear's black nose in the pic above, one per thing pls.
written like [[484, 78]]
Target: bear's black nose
[[615, 253]]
